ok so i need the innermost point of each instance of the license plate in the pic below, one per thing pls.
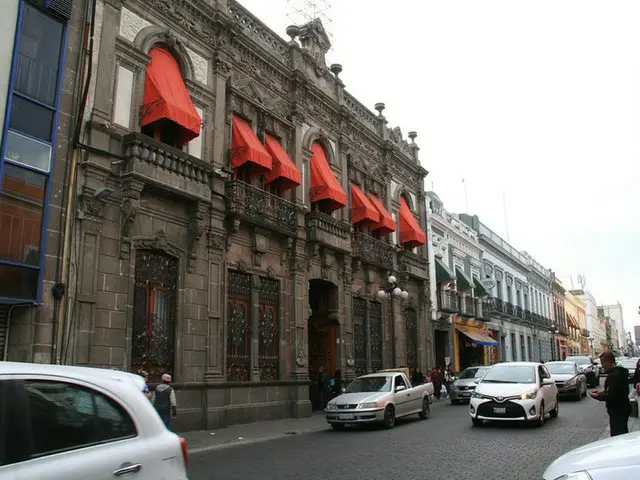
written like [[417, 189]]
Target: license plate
[[346, 417], [499, 410], [465, 394]]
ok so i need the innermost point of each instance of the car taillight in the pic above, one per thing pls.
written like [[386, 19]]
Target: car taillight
[[185, 452]]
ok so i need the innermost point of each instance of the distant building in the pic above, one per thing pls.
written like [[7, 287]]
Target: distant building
[[614, 312]]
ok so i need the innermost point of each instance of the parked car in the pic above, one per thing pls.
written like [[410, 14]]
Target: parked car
[[569, 380], [463, 386], [78, 423], [587, 366], [514, 391], [600, 367], [379, 397], [615, 458]]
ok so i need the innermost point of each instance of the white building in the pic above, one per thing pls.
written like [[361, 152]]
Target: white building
[[614, 312]]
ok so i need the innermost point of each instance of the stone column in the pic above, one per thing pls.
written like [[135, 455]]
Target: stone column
[[367, 336]]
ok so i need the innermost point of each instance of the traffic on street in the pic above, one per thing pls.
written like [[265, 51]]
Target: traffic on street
[[444, 446]]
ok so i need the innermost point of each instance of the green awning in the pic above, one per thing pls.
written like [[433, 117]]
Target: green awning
[[480, 290], [443, 272], [463, 281]]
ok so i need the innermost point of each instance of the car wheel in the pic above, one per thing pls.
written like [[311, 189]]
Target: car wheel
[[389, 417], [337, 426], [476, 422], [455, 401], [578, 393], [555, 411], [540, 421], [426, 409]]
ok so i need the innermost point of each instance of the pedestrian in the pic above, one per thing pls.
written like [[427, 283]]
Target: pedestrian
[[436, 378], [615, 394], [337, 382], [164, 399], [447, 378], [323, 387], [145, 389]]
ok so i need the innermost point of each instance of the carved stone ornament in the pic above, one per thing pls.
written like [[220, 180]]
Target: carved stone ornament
[[130, 208], [92, 208], [300, 360], [216, 241], [499, 275], [242, 265], [271, 273], [488, 268], [196, 230], [518, 285], [350, 362], [509, 279], [158, 242]]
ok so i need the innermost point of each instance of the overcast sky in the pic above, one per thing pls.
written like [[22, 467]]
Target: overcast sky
[[536, 104]]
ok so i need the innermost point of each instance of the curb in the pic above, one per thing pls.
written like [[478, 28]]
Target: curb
[[265, 438]]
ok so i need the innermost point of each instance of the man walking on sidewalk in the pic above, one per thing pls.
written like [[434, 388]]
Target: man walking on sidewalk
[[615, 394], [164, 399]]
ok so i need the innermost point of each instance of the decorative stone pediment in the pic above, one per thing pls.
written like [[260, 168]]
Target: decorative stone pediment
[[315, 41]]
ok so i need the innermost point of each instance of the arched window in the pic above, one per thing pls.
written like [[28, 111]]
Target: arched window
[[325, 191], [167, 113]]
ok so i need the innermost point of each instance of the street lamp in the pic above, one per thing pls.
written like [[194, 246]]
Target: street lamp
[[392, 290], [591, 339], [553, 330]]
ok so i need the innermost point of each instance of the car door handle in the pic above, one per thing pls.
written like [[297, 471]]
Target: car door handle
[[123, 470]]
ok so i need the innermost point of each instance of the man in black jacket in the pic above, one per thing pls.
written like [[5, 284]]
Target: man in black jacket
[[615, 395]]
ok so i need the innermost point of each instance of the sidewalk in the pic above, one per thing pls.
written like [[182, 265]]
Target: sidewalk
[[634, 426]]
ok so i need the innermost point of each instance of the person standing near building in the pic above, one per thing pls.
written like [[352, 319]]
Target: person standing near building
[[164, 399], [615, 394]]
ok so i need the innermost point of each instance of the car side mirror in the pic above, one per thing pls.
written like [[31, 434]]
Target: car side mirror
[[547, 381], [400, 388]]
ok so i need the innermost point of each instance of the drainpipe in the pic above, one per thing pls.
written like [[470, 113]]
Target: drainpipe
[[87, 60], [6, 337]]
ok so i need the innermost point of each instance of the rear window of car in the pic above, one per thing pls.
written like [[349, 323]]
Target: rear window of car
[[579, 360]]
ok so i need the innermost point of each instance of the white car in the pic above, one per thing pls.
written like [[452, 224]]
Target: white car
[[615, 458], [514, 391], [82, 423]]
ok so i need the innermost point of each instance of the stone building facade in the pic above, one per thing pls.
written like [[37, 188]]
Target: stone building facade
[[237, 213]]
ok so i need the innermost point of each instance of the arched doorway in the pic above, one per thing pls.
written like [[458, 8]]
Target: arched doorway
[[322, 327]]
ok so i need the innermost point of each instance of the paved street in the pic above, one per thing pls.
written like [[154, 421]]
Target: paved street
[[445, 446]]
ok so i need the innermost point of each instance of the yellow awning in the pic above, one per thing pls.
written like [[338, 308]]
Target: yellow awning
[[478, 336]]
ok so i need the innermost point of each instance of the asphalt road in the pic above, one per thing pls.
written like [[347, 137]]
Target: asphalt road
[[445, 447]]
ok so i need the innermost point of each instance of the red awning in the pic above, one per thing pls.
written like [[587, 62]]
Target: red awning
[[323, 183], [386, 224], [165, 96], [361, 208], [246, 148], [283, 167], [410, 232]]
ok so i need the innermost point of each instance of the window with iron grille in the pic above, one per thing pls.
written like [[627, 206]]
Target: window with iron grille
[[269, 330], [359, 336], [411, 331], [238, 326], [375, 335]]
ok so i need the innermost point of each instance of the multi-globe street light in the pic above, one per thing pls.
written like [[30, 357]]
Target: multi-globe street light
[[391, 291]]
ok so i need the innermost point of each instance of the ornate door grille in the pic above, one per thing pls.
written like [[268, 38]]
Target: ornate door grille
[[238, 327], [359, 336], [154, 314], [375, 335], [269, 330], [411, 330]]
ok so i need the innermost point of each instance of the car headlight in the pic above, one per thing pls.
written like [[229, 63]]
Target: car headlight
[[368, 405], [571, 382], [479, 395], [529, 395], [332, 406], [575, 476]]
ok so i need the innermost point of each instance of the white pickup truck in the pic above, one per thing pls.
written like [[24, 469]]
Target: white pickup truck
[[379, 397]]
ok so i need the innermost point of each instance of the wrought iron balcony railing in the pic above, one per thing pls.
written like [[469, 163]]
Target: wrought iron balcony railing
[[447, 302], [498, 306], [467, 306], [509, 309], [484, 309], [256, 206], [413, 264], [328, 231], [372, 251]]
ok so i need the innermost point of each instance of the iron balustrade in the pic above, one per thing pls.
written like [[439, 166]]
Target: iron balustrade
[[373, 251], [448, 302]]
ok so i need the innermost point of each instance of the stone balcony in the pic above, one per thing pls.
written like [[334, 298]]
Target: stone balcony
[[372, 251], [328, 231], [253, 205], [169, 168], [413, 264], [447, 302], [467, 306]]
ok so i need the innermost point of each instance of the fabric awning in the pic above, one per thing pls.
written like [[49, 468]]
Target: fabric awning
[[246, 148], [479, 288], [410, 232], [443, 272], [165, 96], [571, 320], [323, 183], [478, 336], [386, 224], [282, 167], [361, 208], [463, 280]]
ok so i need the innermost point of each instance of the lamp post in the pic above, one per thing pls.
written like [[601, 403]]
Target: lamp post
[[591, 339], [391, 291], [553, 331]]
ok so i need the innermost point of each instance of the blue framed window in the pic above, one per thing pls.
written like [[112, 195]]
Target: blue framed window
[[27, 150]]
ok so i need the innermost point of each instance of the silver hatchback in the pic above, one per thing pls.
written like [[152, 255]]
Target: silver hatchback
[[462, 388]]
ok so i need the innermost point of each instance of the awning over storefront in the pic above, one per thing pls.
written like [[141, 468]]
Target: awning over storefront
[[480, 290], [478, 336], [323, 183], [165, 96], [386, 224], [463, 280], [283, 168], [443, 272], [571, 320], [247, 149], [362, 210], [410, 232]]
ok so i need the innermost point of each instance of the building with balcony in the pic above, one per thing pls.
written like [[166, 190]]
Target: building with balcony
[[615, 313], [561, 324], [595, 333], [237, 212], [460, 301], [40, 45], [519, 314], [577, 322]]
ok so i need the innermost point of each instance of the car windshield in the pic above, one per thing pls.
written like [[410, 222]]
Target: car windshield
[[510, 374], [579, 360], [370, 384], [472, 373], [560, 368]]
